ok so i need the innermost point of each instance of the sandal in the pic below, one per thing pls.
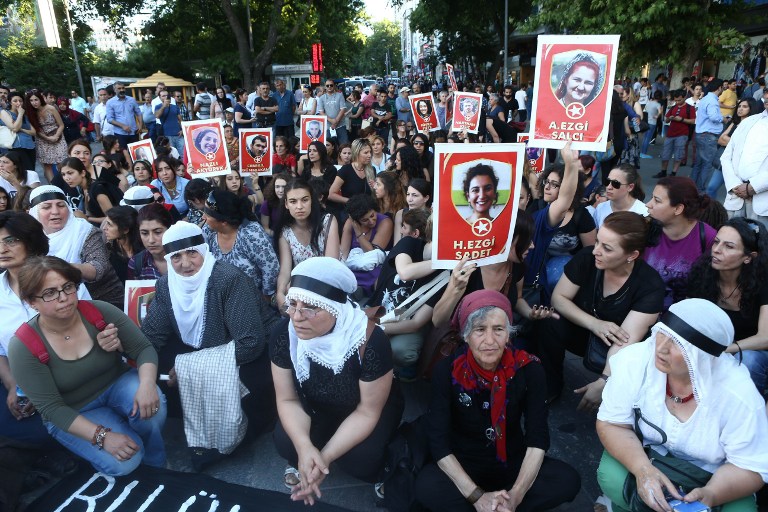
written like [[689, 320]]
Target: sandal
[[291, 477]]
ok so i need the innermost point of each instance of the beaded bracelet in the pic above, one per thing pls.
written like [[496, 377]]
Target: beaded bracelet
[[99, 436]]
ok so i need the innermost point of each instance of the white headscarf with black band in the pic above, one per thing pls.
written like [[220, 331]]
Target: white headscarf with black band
[[333, 349], [188, 293], [66, 243]]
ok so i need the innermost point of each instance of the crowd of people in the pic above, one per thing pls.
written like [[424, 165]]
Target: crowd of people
[[303, 301]]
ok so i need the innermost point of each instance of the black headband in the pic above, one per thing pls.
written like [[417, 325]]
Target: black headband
[[47, 196], [140, 201], [691, 335], [316, 286], [184, 243]]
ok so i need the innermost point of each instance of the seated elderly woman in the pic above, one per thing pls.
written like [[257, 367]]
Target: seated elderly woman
[[690, 401], [336, 397], [209, 323], [91, 401], [76, 241], [487, 422]]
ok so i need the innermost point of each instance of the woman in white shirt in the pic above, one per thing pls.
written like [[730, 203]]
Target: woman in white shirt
[[681, 384], [624, 191]]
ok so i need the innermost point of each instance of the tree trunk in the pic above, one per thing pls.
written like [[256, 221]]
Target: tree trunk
[[685, 66], [243, 50]]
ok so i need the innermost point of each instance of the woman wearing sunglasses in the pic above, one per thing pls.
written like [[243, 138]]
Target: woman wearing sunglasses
[[624, 191], [735, 277]]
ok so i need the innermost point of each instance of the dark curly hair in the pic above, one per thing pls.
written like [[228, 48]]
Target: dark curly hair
[[481, 170], [703, 280], [27, 229], [559, 169], [360, 204]]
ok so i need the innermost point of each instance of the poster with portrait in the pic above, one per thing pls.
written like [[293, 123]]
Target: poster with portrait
[[205, 148], [424, 114], [451, 77], [477, 190], [312, 128], [255, 151], [572, 92], [142, 150], [138, 296], [466, 111], [536, 156]]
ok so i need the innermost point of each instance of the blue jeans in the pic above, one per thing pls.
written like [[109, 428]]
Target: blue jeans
[[178, 143], [756, 362], [112, 409], [706, 150], [650, 134]]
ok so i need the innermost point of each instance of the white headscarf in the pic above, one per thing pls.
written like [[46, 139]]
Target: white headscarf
[[699, 327], [188, 293], [66, 243], [331, 350], [138, 197]]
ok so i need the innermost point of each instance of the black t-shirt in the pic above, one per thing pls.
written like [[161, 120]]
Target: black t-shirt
[[382, 111], [744, 325], [329, 174], [74, 195], [353, 184], [642, 292], [107, 184], [566, 239], [325, 392], [265, 119], [391, 291]]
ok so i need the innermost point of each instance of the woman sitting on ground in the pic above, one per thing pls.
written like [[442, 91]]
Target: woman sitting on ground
[[607, 291], [17, 181], [171, 186], [91, 401], [121, 231], [317, 164], [142, 173], [389, 193], [236, 184], [195, 194], [624, 192], [234, 236], [271, 208], [211, 308], [282, 159], [336, 398], [695, 403], [418, 195], [735, 277], [78, 242], [306, 231], [486, 383], [354, 178], [153, 220]]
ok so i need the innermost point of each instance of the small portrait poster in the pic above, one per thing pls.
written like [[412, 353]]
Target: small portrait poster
[[205, 147], [536, 156], [255, 151], [572, 92], [477, 190], [424, 115], [142, 150], [451, 77], [466, 111], [138, 295], [313, 128]]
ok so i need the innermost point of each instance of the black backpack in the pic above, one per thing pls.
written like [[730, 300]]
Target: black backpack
[[407, 453]]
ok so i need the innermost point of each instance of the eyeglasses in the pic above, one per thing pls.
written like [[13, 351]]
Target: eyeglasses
[[550, 183], [330, 85], [418, 143], [307, 313], [53, 294], [9, 241], [614, 183]]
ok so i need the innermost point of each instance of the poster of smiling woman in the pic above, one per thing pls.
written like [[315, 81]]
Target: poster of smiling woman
[[205, 148], [572, 92], [477, 188]]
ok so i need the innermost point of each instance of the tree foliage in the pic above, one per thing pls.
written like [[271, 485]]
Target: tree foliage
[[370, 59], [668, 33]]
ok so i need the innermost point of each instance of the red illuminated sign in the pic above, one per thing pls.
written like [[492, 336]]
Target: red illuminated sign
[[317, 57], [314, 79]]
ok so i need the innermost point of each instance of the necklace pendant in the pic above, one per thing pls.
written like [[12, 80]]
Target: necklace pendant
[[676, 399], [66, 338]]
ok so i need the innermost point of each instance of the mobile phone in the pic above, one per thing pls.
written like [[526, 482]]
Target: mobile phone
[[694, 506]]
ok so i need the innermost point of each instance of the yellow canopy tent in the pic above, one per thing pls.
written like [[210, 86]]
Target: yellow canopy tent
[[170, 82]]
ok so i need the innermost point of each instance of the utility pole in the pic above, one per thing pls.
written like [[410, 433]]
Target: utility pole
[[74, 50], [506, 42]]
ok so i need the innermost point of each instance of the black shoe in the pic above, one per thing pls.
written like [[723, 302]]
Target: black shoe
[[662, 174], [204, 457]]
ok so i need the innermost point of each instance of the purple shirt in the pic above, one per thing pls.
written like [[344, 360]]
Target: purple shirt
[[366, 280], [673, 260]]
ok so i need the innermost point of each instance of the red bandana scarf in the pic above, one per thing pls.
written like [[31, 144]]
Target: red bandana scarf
[[470, 376]]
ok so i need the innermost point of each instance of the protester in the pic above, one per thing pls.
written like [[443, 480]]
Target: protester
[[317, 163], [389, 193], [271, 208], [17, 119], [418, 195], [407, 164], [420, 143], [153, 221], [49, 131], [709, 125], [624, 191], [282, 160], [195, 194], [235, 183], [15, 180], [356, 177], [171, 186], [378, 157]]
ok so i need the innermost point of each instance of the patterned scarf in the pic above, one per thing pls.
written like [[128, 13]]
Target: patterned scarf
[[470, 376]]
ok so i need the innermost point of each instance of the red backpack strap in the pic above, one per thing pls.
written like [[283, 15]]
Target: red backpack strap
[[92, 314], [33, 342]]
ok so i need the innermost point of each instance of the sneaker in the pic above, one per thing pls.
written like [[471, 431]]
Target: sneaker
[[643, 155], [662, 174]]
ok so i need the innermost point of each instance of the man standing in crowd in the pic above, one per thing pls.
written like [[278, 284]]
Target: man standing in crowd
[[333, 106], [4, 92], [745, 168], [403, 106], [285, 109], [728, 100], [124, 114], [264, 107], [521, 99], [382, 112], [415, 88], [183, 110], [203, 102], [369, 100], [77, 103], [156, 101], [709, 125], [100, 115], [680, 117], [148, 116], [167, 113], [508, 103]]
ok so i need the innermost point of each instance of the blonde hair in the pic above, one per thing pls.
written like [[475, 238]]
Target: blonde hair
[[357, 147]]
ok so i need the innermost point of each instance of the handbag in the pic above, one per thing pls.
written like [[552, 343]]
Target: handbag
[[7, 137], [533, 293], [683, 474], [411, 305]]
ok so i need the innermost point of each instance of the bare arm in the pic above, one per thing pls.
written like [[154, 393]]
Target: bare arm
[[346, 239], [332, 243], [588, 238], [286, 265], [560, 206], [760, 339], [408, 270], [335, 193]]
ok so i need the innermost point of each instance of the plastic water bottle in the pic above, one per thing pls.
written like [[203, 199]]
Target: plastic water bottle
[[22, 400]]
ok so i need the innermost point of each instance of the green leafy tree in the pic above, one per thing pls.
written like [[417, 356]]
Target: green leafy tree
[[670, 33], [370, 60]]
